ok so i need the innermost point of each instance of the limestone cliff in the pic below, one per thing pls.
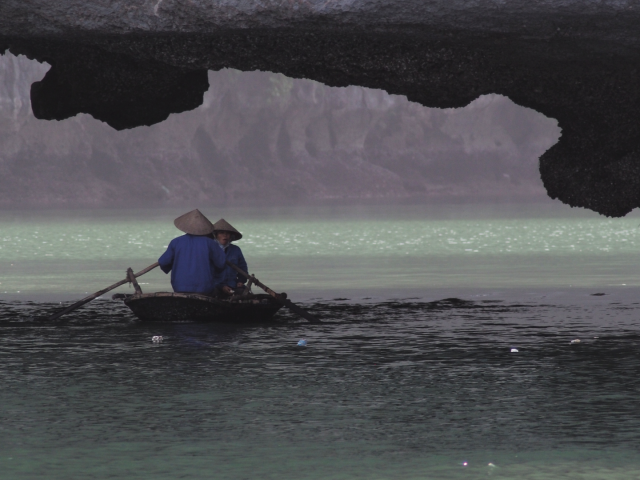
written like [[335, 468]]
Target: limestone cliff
[[267, 138]]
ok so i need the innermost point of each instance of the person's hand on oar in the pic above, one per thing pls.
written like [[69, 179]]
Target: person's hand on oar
[[280, 298]]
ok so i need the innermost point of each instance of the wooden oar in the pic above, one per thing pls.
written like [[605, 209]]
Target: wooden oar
[[97, 294], [284, 301]]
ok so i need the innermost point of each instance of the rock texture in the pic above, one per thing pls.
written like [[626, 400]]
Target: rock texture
[[264, 138], [135, 62]]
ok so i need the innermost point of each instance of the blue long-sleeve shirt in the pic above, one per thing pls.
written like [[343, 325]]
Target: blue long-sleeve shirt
[[229, 276], [192, 261]]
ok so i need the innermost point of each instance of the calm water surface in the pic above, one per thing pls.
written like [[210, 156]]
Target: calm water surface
[[410, 377]]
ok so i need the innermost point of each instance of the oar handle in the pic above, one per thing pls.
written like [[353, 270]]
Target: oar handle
[[283, 301], [79, 303]]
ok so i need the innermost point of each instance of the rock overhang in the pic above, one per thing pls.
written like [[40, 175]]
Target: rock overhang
[[134, 63]]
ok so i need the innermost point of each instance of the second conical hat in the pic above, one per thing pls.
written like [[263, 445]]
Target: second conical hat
[[223, 226], [194, 223]]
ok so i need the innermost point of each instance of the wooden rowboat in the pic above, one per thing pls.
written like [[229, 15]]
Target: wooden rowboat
[[171, 307], [193, 307]]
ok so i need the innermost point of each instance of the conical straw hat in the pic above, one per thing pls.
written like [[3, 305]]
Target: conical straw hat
[[223, 226], [194, 223]]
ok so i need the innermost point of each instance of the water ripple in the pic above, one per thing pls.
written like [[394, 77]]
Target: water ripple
[[418, 385]]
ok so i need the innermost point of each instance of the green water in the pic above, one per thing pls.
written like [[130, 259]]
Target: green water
[[332, 251], [411, 375]]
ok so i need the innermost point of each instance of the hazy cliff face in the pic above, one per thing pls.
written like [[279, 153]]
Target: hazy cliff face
[[264, 136]]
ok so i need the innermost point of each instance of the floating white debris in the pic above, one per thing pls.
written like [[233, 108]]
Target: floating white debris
[[302, 342], [575, 341], [157, 339], [514, 350], [491, 465]]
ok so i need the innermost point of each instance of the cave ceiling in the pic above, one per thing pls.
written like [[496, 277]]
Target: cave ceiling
[[132, 63]]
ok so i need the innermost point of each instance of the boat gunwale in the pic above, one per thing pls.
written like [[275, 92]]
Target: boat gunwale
[[189, 296], [200, 297]]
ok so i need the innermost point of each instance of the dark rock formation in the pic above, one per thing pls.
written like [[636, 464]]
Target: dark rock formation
[[115, 88], [573, 60]]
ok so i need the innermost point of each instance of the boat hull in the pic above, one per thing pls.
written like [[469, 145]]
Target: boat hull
[[171, 307]]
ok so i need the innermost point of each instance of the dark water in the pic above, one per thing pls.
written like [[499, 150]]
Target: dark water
[[391, 390]]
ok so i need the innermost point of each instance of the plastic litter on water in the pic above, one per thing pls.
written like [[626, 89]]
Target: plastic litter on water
[[575, 341], [302, 342], [157, 339], [514, 350]]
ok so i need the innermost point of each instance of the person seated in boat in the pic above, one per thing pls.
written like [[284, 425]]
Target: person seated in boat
[[193, 258], [227, 280]]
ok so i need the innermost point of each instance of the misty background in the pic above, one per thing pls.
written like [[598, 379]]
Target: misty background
[[263, 138]]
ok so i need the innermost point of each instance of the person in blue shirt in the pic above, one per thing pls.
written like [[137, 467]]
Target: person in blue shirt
[[228, 281], [194, 258]]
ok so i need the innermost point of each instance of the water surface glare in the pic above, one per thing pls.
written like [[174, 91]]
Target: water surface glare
[[343, 250], [411, 375]]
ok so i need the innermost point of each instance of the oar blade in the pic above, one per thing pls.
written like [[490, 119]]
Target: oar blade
[[300, 311], [284, 301], [85, 300]]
